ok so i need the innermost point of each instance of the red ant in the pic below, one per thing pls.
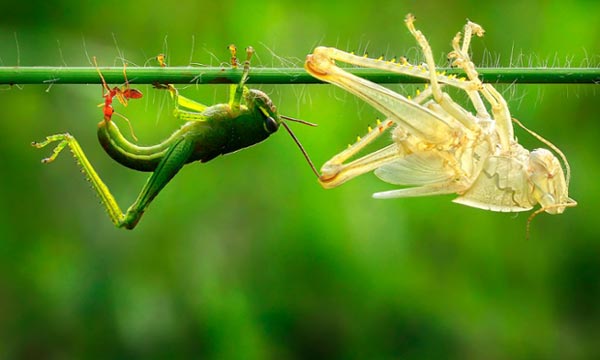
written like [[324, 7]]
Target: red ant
[[122, 94]]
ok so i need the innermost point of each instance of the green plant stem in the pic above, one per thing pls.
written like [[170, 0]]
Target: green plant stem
[[217, 75]]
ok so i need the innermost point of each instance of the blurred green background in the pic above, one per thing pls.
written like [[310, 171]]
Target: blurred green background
[[247, 256]]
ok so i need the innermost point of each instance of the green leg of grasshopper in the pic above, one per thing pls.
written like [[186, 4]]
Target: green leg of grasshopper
[[171, 163], [195, 109]]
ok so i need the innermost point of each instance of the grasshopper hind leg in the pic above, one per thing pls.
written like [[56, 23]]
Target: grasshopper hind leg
[[174, 159]]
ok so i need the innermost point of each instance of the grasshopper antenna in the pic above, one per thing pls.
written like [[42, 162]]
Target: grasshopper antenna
[[303, 122], [310, 163]]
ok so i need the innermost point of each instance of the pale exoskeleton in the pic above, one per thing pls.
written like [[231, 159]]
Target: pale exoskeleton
[[438, 146]]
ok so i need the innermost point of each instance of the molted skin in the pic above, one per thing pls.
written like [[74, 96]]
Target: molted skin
[[438, 146]]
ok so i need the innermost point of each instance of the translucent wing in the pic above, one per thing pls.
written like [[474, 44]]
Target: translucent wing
[[416, 169]]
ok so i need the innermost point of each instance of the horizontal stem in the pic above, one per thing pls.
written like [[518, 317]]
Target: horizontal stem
[[218, 75]]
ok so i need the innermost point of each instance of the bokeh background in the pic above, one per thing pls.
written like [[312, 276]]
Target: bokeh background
[[247, 256]]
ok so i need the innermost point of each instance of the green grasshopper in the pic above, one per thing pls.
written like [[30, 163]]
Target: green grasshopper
[[247, 119]]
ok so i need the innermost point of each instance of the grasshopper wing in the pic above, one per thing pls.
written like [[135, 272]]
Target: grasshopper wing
[[421, 168]]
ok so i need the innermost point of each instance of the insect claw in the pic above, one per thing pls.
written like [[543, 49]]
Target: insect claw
[[476, 28], [249, 52], [161, 60], [233, 50]]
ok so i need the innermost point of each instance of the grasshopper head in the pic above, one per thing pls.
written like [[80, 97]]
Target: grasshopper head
[[550, 188], [259, 102]]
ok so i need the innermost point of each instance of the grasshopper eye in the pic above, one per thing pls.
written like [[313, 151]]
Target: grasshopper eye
[[271, 124]]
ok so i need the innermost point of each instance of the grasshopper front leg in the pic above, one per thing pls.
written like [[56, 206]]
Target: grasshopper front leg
[[174, 159]]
